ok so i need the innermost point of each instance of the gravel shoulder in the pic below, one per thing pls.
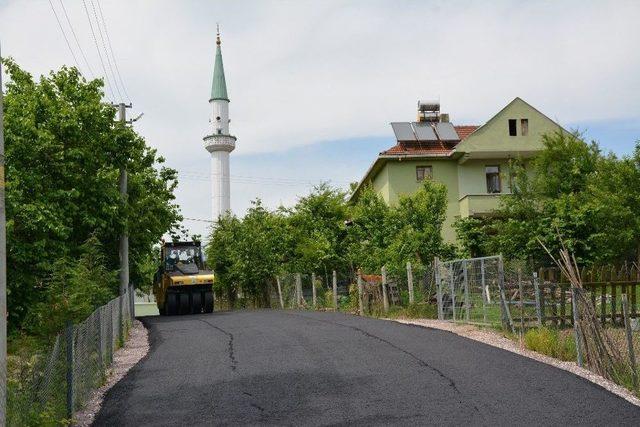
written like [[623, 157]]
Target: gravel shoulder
[[125, 358], [495, 339]]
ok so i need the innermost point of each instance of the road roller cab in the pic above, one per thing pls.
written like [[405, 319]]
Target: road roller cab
[[182, 285]]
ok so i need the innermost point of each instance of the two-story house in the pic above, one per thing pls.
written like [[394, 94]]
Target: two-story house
[[472, 161]]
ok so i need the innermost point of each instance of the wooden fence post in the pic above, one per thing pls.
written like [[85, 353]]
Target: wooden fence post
[[280, 292], [313, 289], [521, 292], [576, 327], [536, 289], [385, 297], [299, 296], [360, 303], [335, 289], [506, 314], [70, 363], [410, 282], [627, 327]]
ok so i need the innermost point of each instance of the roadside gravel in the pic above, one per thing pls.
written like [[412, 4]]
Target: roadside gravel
[[136, 347], [495, 339]]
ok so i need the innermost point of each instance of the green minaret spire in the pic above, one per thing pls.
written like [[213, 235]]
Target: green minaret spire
[[219, 86]]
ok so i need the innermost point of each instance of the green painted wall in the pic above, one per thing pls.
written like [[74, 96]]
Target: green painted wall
[[380, 184], [472, 178], [402, 180], [494, 135]]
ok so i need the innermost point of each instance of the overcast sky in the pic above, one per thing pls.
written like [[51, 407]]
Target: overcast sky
[[314, 84]]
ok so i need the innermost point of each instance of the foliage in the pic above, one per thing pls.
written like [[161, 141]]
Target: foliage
[[321, 233], [570, 189], [63, 156]]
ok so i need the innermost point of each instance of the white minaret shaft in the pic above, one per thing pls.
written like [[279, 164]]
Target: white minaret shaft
[[219, 143]]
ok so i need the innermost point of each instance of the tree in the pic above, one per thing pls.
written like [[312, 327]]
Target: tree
[[571, 190], [63, 153]]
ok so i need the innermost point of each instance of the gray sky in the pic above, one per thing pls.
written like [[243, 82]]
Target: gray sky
[[313, 85]]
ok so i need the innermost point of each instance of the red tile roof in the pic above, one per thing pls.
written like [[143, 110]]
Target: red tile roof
[[430, 148], [465, 131]]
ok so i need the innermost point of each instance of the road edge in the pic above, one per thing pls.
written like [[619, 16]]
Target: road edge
[[135, 349], [496, 340]]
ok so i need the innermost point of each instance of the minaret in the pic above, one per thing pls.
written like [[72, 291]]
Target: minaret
[[219, 143]]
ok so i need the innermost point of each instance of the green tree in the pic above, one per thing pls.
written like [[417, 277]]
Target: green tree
[[63, 154]]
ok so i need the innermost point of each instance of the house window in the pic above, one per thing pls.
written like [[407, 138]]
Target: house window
[[423, 172], [492, 174], [524, 127], [512, 127]]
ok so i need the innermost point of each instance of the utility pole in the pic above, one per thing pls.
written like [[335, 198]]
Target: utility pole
[[3, 268], [124, 237]]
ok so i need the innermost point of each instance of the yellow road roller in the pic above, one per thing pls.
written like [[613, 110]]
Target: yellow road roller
[[182, 285]]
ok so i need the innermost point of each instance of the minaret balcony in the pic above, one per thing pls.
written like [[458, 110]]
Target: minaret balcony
[[219, 143]]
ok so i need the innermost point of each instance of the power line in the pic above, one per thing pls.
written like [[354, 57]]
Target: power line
[[115, 63], [197, 219], [64, 34], [104, 47], [64, 9], [257, 179], [95, 42]]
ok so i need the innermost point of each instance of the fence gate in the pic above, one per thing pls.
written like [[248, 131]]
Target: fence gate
[[472, 290]]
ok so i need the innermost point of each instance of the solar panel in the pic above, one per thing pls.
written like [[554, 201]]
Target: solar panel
[[425, 132], [447, 132], [403, 131]]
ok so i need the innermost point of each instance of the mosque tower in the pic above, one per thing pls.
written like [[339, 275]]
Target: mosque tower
[[219, 143]]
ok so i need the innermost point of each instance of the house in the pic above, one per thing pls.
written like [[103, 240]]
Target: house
[[472, 161]]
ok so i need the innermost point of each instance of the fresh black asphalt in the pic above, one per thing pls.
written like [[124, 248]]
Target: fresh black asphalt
[[314, 368]]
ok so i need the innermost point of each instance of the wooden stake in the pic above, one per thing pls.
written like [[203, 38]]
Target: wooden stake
[[280, 292], [627, 327]]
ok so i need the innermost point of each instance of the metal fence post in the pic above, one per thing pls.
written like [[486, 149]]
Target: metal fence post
[[506, 314], [467, 300], [280, 292], [485, 293], [438, 279], [627, 327], [132, 303], [453, 292], [576, 328], [335, 290], [410, 282], [385, 297], [70, 363], [521, 291], [120, 318], [360, 303], [100, 337], [313, 289]]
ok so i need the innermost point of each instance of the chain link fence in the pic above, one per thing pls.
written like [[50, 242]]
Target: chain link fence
[[52, 384]]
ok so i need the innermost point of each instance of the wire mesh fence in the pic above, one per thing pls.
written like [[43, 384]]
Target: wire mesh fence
[[54, 383]]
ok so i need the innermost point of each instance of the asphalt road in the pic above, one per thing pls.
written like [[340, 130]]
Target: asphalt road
[[312, 368]]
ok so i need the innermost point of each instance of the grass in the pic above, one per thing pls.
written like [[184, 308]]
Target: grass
[[559, 344]]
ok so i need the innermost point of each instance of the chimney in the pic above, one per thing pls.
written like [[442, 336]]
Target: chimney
[[444, 117]]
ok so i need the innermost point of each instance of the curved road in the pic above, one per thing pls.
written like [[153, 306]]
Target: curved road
[[313, 368]]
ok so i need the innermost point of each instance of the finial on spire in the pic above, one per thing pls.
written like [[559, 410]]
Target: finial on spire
[[218, 34]]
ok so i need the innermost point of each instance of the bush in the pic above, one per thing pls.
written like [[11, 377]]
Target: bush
[[552, 342]]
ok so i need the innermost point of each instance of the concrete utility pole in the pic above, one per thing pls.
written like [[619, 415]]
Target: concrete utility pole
[[124, 237], [3, 269]]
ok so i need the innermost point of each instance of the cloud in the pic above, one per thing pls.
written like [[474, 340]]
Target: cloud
[[303, 72]]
